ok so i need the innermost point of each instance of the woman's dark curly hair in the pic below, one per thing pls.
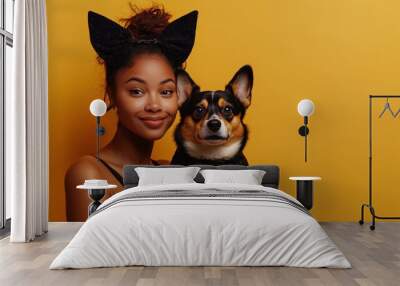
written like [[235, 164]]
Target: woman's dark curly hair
[[145, 23]]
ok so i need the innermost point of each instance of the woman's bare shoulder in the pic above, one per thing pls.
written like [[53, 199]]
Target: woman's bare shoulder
[[86, 167]]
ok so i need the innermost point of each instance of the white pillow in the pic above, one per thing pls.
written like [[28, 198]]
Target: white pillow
[[162, 176], [249, 177]]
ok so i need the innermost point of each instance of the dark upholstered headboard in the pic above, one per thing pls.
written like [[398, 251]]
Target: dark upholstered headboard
[[270, 179]]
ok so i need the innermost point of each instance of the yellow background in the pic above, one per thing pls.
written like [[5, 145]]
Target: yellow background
[[333, 52]]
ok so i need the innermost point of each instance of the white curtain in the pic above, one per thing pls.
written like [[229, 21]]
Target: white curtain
[[27, 124]]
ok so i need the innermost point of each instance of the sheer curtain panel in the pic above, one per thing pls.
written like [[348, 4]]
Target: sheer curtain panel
[[27, 124]]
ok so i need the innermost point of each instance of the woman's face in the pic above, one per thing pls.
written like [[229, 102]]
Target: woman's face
[[145, 96]]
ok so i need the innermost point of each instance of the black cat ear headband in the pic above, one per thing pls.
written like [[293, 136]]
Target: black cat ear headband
[[176, 40]]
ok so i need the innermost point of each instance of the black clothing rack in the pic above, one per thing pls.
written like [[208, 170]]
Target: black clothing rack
[[369, 205]]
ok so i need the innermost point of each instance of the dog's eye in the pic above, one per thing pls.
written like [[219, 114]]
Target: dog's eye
[[198, 112], [199, 109], [228, 109]]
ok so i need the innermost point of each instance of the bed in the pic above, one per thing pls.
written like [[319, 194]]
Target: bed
[[201, 224]]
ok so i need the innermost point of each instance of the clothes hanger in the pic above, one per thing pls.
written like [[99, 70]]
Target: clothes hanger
[[397, 113], [387, 107]]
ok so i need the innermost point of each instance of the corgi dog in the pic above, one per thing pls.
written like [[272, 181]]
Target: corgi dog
[[211, 129]]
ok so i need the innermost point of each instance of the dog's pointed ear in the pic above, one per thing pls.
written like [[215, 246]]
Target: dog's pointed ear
[[184, 86], [241, 85]]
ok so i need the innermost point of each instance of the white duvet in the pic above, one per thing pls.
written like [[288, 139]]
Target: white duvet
[[205, 231]]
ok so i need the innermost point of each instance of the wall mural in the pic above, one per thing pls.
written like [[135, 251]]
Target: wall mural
[[147, 85]]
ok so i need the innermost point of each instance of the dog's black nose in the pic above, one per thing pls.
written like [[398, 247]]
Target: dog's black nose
[[214, 125]]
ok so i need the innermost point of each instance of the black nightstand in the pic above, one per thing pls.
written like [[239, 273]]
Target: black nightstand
[[96, 190], [304, 190]]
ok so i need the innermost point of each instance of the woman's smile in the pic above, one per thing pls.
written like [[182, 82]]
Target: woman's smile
[[153, 121]]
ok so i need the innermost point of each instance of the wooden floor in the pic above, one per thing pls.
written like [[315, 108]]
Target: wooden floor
[[375, 257]]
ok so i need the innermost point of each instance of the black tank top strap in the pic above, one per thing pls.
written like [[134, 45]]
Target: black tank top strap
[[113, 171]]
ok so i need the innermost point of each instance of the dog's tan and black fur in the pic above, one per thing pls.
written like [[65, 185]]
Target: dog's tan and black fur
[[211, 130]]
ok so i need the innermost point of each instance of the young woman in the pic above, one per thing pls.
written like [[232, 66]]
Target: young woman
[[140, 61]]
